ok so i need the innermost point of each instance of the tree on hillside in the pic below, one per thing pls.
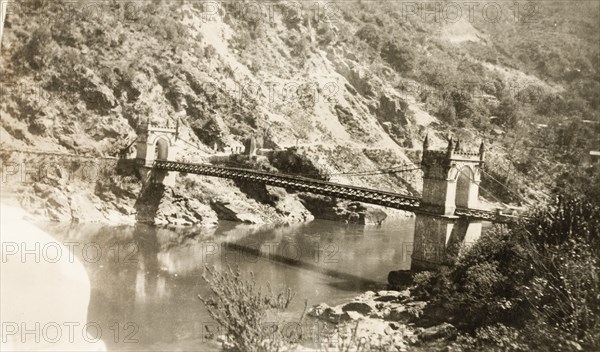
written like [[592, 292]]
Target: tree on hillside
[[398, 55], [507, 112], [370, 34]]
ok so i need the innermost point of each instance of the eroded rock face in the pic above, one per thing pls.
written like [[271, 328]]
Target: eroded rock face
[[211, 87], [58, 206], [235, 211], [327, 208], [95, 93], [162, 205], [393, 110], [292, 209], [360, 78]]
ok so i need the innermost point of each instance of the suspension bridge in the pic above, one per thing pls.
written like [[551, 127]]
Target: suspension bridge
[[452, 173], [448, 211], [449, 214]]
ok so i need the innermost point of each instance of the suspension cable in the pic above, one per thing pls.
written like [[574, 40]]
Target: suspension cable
[[505, 187], [393, 170], [482, 188]]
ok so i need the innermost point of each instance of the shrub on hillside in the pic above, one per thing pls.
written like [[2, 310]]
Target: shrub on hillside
[[535, 284], [210, 52], [326, 33], [370, 34], [40, 48], [299, 45]]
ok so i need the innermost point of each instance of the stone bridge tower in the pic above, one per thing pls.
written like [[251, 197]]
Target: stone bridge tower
[[156, 142], [450, 180]]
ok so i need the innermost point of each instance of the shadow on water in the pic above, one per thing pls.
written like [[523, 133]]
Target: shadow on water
[[145, 279]]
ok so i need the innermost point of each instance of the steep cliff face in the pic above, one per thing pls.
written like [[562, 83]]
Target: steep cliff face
[[337, 83]]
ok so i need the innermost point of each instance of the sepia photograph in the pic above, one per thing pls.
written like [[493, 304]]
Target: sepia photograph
[[300, 175]]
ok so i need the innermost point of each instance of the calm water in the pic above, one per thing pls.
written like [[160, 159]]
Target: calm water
[[145, 280]]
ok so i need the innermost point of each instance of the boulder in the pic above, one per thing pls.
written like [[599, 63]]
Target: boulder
[[334, 315], [399, 314], [42, 189], [235, 211], [399, 278], [360, 307], [387, 296], [352, 315], [390, 298], [404, 294], [442, 331], [416, 304], [318, 310], [394, 328]]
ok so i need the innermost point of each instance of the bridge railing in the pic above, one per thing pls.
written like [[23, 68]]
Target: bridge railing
[[386, 198], [162, 164]]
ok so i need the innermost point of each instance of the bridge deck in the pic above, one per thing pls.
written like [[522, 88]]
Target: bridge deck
[[304, 184]]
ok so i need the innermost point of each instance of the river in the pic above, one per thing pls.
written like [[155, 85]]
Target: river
[[146, 280]]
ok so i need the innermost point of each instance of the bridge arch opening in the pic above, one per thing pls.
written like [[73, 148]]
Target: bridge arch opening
[[463, 187], [161, 149]]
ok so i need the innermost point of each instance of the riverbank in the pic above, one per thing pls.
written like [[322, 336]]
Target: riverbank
[[386, 320]]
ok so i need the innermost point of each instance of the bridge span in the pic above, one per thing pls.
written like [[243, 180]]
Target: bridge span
[[337, 190]]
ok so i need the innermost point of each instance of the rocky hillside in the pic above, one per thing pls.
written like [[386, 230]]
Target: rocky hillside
[[354, 86]]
